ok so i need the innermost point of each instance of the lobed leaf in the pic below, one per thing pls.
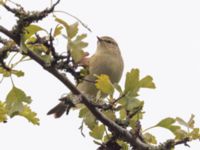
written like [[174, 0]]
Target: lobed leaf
[[104, 84], [98, 132], [3, 112], [29, 115], [15, 99], [148, 137], [147, 82]]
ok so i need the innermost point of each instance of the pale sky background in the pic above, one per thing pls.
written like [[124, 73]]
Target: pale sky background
[[161, 38]]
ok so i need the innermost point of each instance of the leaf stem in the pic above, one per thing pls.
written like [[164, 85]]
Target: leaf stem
[[145, 130]]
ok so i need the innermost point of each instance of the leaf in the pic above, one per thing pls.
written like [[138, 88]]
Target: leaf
[[118, 88], [131, 83], [180, 134], [110, 114], [191, 122], [7, 73], [174, 128], [147, 82], [124, 145], [18, 73], [4, 72], [150, 138], [57, 30], [15, 99], [3, 112], [133, 103], [88, 118], [122, 114], [29, 115], [195, 134], [31, 30], [104, 84], [71, 30], [166, 123], [2, 2], [76, 46], [98, 132], [182, 122]]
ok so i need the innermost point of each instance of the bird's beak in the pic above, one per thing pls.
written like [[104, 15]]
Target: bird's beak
[[99, 39]]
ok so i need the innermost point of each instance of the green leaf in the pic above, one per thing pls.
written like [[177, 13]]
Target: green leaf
[[110, 114], [15, 99], [166, 123], [122, 113], [180, 134], [57, 30], [191, 122], [147, 82], [133, 103], [76, 46], [29, 115], [4, 72], [98, 132], [104, 84], [3, 112], [132, 81], [88, 118], [118, 88], [182, 122], [124, 145], [7, 73], [71, 30], [18, 73], [31, 30], [150, 138], [173, 128], [195, 134]]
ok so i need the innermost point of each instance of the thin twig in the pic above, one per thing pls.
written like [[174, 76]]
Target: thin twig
[[81, 22]]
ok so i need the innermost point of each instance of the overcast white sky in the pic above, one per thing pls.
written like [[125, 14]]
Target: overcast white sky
[[161, 38]]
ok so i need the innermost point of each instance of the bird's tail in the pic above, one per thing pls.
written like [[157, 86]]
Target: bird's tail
[[58, 110]]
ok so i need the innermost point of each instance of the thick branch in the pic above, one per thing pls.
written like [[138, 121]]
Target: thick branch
[[6, 32]]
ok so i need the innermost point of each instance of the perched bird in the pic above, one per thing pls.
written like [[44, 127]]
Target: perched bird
[[106, 60]]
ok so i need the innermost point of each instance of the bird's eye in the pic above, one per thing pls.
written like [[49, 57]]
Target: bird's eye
[[110, 42]]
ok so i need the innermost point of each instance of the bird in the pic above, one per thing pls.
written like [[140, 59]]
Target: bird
[[106, 60]]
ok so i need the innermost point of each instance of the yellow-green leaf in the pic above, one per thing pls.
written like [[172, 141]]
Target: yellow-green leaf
[[123, 145], [131, 83], [195, 134], [98, 132], [72, 30], [29, 115], [165, 123], [3, 112], [147, 82], [104, 84], [57, 30], [31, 30], [180, 134], [88, 118], [15, 99], [150, 138], [18, 73], [76, 46], [110, 114], [4, 72], [182, 122], [191, 122]]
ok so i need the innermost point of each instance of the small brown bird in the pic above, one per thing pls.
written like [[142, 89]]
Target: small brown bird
[[106, 60]]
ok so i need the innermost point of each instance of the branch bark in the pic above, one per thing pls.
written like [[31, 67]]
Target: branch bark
[[122, 133]]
